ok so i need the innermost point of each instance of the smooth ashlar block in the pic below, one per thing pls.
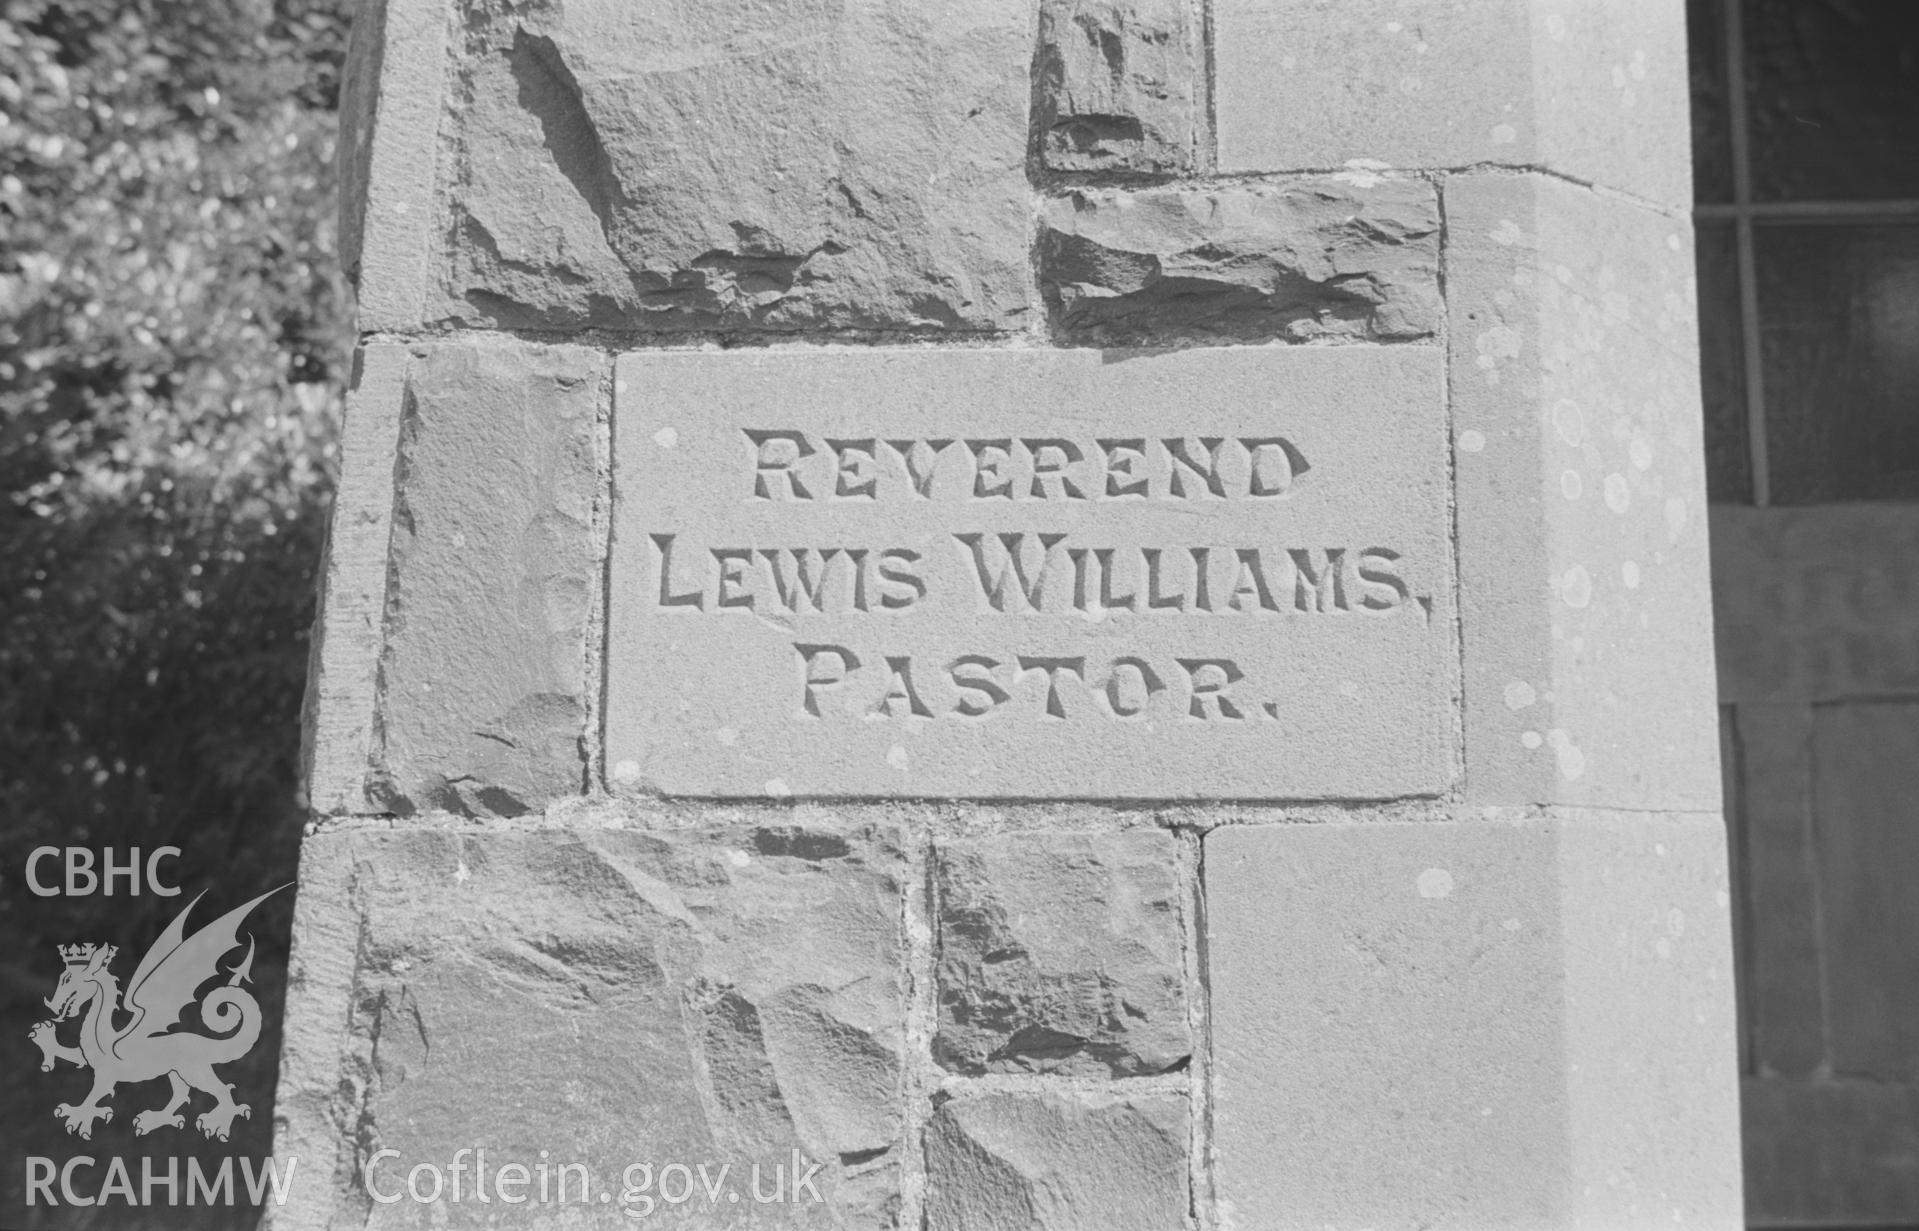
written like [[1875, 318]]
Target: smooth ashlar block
[[1597, 92], [1062, 1161], [491, 569], [338, 728], [717, 998], [1495, 1021], [1585, 608], [639, 164], [1128, 574], [1306, 261], [1061, 953]]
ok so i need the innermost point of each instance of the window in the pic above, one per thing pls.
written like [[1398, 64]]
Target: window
[[1806, 170]]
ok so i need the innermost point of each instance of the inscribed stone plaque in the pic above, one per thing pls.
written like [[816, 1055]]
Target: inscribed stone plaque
[[1217, 573]]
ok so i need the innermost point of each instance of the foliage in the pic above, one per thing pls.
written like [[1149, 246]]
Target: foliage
[[173, 344]]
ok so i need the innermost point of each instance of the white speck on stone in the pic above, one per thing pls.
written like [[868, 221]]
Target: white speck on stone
[[1519, 695], [1504, 134], [1511, 925], [626, 773], [1572, 762], [777, 787], [727, 737], [1675, 515], [1499, 342], [1472, 441], [1435, 883], [1722, 897], [666, 438], [1568, 422], [1674, 242], [1618, 492], [896, 757], [738, 858], [619, 386], [1409, 85], [1564, 273], [1530, 739], [1629, 573], [1570, 484], [1577, 586], [1659, 849], [1641, 451], [1393, 27], [1508, 233], [459, 539], [461, 874]]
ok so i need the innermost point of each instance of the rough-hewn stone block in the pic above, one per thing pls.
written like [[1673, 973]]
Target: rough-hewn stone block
[[483, 689], [1118, 84], [1471, 1024], [1058, 1162], [1061, 953], [1597, 92], [1816, 604], [1243, 262], [652, 165], [1581, 499], [715, 997]]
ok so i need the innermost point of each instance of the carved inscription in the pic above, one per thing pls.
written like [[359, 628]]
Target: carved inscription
[[824, 584]]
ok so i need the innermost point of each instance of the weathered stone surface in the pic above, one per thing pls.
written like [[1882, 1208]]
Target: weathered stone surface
[[1465, 1024], [750, 164], [1051, 616], [1061, 953], [1118, 83], [1597, 92], [1584, 603], [389, 123], [1243, 262], [716, 997], [1816, 604], [483, 690], [337, 723], [1058, 1162]]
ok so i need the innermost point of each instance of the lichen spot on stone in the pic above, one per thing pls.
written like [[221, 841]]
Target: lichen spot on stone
[[1435, 883], [1471, 441], [666, 438], [1577, 586], [1519, 695]]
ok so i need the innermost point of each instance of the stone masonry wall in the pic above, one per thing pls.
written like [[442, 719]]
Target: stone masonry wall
[[1502, 999]]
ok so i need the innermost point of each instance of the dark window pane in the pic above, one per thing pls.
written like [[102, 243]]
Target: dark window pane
[[1722, 372], [1839, 330], [1711, 134], [1833, 87]]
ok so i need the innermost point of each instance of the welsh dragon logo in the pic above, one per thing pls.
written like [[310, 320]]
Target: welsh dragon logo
[[144, 1046]]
